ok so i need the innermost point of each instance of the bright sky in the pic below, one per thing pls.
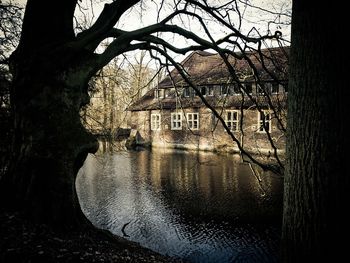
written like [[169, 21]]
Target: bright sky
[[256, 18], [252, 16]]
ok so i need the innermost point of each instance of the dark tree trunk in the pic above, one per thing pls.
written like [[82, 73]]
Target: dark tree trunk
[[315, 219], [50, 144]]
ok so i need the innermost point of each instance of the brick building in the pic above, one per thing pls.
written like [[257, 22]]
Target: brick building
[[250, 98]]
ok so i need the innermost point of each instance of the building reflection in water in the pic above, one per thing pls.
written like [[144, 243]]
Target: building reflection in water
[[188, 204]]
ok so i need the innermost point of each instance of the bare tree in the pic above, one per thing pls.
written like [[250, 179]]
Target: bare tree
[[123, 81], [52, 66], [10, 28], [253, 68], [51, 70]]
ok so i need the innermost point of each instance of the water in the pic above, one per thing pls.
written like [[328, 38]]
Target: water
[[201, 207]]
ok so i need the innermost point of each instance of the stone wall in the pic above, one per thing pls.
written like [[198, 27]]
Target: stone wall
[[211, 134]]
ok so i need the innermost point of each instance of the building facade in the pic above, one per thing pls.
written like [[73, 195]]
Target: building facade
[[217, 108]]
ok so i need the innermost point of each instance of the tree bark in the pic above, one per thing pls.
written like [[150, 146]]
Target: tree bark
[[50, 144], [316, 184]]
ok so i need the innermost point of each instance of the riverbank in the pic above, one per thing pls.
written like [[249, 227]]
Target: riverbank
[[23, 242]]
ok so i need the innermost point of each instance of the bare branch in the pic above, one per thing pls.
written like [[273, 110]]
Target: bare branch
[[107, 19], [217, 115]]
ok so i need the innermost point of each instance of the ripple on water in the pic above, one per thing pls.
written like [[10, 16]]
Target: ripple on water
[[197, 212]]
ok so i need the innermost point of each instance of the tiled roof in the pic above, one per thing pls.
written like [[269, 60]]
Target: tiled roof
[[203, 67], [207, 68], [152, 103]]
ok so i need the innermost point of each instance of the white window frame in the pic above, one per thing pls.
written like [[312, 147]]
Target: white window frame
[[210, 90], [225, 90], [236, 89], [155, 123], [231, 122], [187, 92], [273, 84], [159, 93], [167, 93], [260, 89], [191, 120], [176, 118], [268, 121]]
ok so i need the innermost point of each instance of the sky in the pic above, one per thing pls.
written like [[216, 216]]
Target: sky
[[257, 18], [252, 16]]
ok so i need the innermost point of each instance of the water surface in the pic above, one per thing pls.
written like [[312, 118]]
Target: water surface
[[202, 207]]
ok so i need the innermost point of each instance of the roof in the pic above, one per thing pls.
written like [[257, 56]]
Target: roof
[[205, 68], [169, 103]]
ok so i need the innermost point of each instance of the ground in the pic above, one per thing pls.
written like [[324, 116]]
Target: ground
[[23, 241]]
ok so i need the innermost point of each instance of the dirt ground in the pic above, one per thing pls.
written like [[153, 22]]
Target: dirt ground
[[22, 241]]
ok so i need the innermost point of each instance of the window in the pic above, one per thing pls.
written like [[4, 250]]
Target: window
[[260, 89], [267, 116], [274, 88], [236, 89], [226, 90], [176, 121], [159, 93], [187, 92], [248, 88], [167, 93], [210, 90], [193, 121], [207, 90], [155, 122], [231, 120], [203, 90]]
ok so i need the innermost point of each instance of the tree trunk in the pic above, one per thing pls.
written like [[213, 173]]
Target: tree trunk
[[316, 183], [50, 144]]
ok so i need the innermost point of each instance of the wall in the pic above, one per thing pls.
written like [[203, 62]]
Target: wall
[[209, 136]]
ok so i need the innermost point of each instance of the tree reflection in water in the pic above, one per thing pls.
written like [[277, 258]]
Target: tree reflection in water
[[203, 207]]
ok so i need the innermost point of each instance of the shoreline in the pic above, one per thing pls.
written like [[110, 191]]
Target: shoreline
[[23, 241]]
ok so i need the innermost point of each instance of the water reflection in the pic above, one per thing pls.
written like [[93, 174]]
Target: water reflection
[[201, 207]]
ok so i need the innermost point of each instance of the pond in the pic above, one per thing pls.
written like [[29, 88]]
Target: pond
[[202, 207]]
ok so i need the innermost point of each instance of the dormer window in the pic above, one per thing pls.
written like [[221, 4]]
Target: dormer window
[[275, 88], [207, 90], [210, 90], [159, 93], [187, 92], [236, 89], [226, 90], [203, 90], [248, 88], [260, 89], [167, 93]]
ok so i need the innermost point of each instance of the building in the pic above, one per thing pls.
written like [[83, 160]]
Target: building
[[250, 98]]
